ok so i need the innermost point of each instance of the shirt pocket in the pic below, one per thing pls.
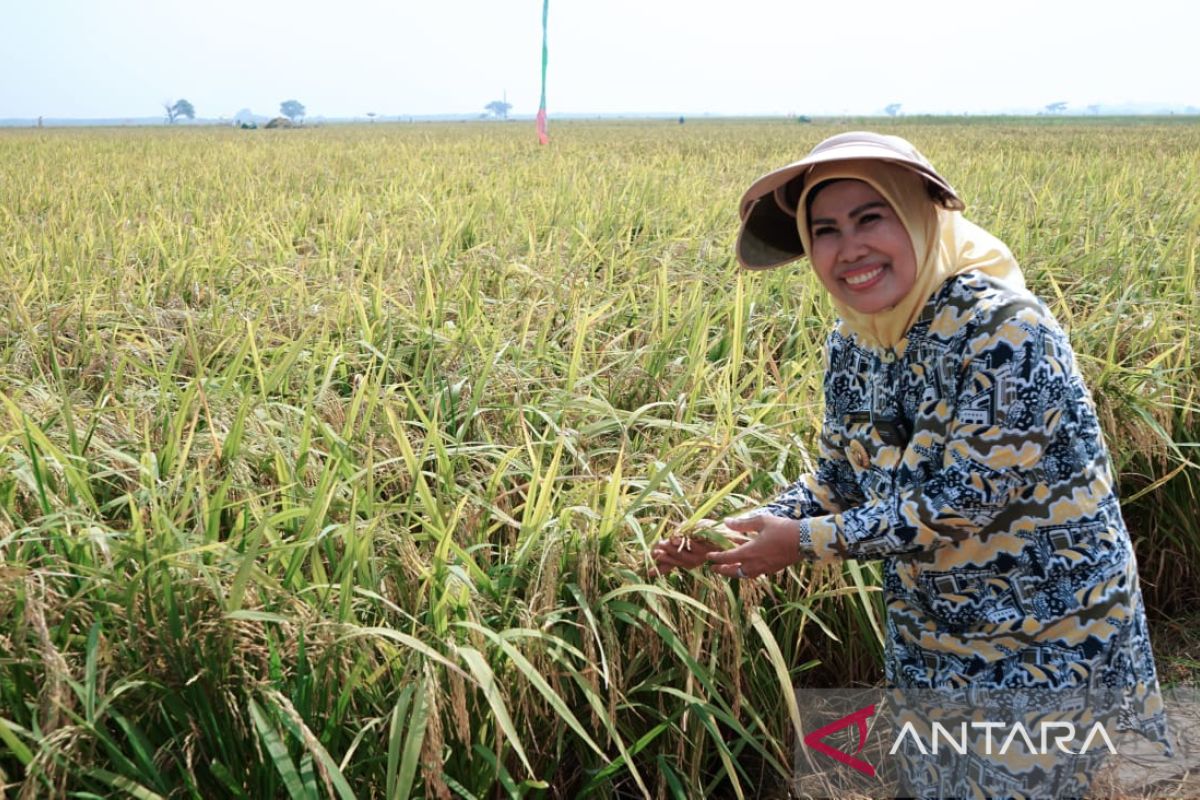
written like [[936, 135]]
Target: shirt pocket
[[874, 450], [963, 600]]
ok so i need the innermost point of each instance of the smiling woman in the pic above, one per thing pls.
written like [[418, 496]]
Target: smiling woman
[[959, 446], [860, 249]]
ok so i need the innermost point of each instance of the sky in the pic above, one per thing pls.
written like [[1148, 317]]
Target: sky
[[345, 58]]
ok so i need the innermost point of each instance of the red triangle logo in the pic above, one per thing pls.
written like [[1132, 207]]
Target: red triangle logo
[[815, 740]]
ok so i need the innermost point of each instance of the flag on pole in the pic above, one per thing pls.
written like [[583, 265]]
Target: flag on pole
[[541, 115]]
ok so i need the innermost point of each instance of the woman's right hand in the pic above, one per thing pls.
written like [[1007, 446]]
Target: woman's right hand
[[688, 549]]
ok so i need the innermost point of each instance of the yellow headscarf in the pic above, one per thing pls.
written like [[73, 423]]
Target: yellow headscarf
[[944, 243]]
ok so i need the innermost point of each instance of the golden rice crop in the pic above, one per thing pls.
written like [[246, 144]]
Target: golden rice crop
[[332, 456]]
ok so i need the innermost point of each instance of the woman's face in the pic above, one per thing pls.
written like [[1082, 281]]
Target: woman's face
[[860, 250]]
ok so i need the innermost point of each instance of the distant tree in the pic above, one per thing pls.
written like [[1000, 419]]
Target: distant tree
[[1056, 108], [498, 109], [180, 108], [291, 109], [371, 114], [893, 109], [1093, 109]]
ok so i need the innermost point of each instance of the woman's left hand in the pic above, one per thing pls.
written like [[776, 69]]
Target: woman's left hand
[[776, 546]]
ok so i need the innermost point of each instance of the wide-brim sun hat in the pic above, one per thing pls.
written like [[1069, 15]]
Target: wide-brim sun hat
[[769, 236]]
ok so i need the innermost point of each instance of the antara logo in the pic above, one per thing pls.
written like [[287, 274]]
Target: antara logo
[[1053, 736], [815, 740], [1066, 735]]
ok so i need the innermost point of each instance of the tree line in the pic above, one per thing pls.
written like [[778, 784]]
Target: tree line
[[292, 109]]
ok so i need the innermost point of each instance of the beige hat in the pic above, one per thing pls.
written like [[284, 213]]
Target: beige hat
[[769, 238]]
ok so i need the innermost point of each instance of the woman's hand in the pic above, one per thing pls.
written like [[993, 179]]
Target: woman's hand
[[688, 551], [773, 543]]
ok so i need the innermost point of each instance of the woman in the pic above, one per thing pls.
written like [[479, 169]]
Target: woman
[[959, 445]]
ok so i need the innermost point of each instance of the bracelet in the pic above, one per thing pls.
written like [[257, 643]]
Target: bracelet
[[804, 541]]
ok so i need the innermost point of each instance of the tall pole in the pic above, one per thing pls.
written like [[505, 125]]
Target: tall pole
[[543, 137]]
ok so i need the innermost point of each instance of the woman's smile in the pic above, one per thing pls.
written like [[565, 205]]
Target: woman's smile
[[865, 277]]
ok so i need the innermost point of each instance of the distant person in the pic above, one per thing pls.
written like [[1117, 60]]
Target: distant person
[[959, 446]]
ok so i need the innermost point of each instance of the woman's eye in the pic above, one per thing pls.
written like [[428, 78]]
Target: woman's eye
[[818, 232], [867, 218]]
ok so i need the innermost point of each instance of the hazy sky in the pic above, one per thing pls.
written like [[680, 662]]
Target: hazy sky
[[122, 58]]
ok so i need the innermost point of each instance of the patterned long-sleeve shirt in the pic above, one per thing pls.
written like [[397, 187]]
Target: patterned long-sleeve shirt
[[971, 461]]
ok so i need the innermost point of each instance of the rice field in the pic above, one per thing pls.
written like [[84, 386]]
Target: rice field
[[331, 458]]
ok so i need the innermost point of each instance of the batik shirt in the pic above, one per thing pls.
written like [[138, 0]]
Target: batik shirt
[[970, 460]]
